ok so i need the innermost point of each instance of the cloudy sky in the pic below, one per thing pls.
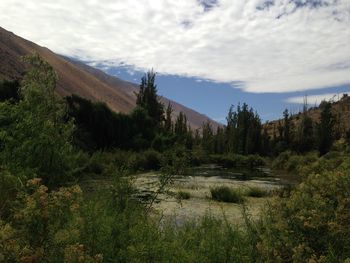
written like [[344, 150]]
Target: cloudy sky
[[209, 53]]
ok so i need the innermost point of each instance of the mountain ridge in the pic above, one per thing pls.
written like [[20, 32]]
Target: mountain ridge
[[75, 77]]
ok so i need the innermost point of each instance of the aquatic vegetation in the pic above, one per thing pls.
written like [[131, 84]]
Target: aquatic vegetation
[[226, 194]]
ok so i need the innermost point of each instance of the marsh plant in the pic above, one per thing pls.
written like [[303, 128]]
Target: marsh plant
[[227, 194]]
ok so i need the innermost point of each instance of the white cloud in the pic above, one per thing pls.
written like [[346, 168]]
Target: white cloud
[[266, 47], [316, 99]]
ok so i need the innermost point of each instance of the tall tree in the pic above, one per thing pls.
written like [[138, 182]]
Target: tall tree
[[305, 140], [180, 127], [207, 137], [219, 141], [168, 124], [325, 128], [243, 130], [286, 128], [148, 99]]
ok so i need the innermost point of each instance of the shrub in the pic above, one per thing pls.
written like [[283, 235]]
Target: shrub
[[257, 192], [280, 161], [182, 195], [145, 161], [226, 194], [255, 161], [176, 161], [311, 225], [9, 187], [293, 163]]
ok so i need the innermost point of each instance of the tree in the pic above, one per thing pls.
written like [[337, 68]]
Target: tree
[[168, 124], [325, 129], [35, 139], [243, 130], [305, 140], [147, 98], [219, 141], [207, 137], [180, 127], [286, 128], [265, 142]]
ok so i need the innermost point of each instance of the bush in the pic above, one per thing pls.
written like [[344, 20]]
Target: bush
[[255, 161], [292, 162], [311, 225], [145, 161], [176, 161], [280, 161], [257, 192], [9, 187], [182, 195], [226, 194]]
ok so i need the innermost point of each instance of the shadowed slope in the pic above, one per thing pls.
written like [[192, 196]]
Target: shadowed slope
[[78, 78]]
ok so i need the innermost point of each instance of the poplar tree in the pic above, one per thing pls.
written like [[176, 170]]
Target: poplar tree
[[325, 128], [148, 99]]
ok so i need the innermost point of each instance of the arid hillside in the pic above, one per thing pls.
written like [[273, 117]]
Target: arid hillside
[[341, 109], [78, 78]]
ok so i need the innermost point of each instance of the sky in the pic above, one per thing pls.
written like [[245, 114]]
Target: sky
[[208, 54]]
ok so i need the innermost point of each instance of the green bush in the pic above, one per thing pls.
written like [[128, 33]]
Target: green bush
[[255, 161], [257, 192], [145, 161], [9, 187], [292, 162], [226, 194], [182, 195], [176, 161], [311, 225], [280, 161]]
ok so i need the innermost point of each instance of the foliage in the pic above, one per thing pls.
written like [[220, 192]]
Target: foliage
[[226, 194], [45, 226], [325, 129], [34, 139], [176, 161], [145, 161], [147, 99], [182, 195], [9, 187], [244, 130], [257, 192], [305, 139], [311, 225], [9, 90]]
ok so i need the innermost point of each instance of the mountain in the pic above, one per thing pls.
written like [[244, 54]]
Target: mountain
[[75, 77]]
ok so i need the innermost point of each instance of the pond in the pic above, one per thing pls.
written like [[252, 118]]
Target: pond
[[197, 184]]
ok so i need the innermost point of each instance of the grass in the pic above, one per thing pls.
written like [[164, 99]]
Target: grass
[[182, 195], [226, 194]]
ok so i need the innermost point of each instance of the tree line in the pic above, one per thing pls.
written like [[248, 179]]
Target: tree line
[[152, 125]]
